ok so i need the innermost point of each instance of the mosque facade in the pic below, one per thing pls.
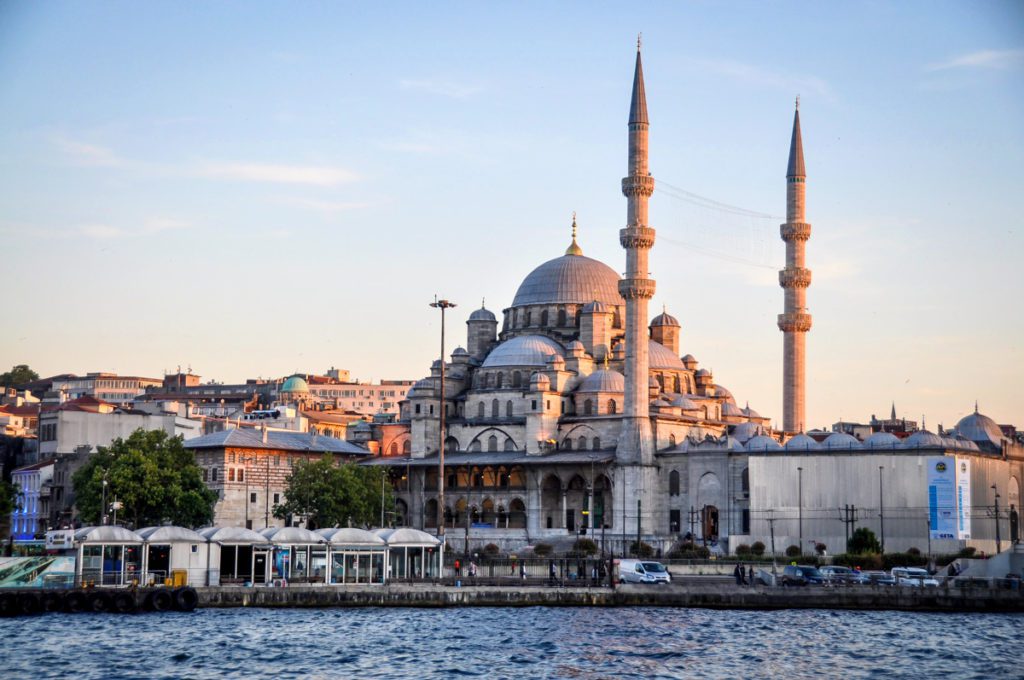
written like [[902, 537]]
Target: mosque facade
[[571, 414]]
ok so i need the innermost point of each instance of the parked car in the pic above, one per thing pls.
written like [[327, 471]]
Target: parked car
[[915, 577], [873, 578], [801, 575], [643, 571], [836, 574]]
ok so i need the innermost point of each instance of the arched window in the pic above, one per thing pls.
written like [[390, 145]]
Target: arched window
[[490, 380], [494, 408], [661, 381], [510, 445], [451, 445], [617, 318], [407, 446], [528, 318], [544, 318], [672, 441], [517, 379], [612, 406], [561, 317], [567, 444], [492, 443], [475, 446], [499, 381], [508, 409], [517, 514], [675, 383], [597, 443], [581, 443], [588, 407], [481, 410], [673, 483], [394, 449]]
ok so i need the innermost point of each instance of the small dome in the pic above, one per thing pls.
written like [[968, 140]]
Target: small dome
[[922, 439], [685, 404], [556, 360], [689, 359], [664, 319], [743, 432], [802, 442], [882, 440], [575, 348], [295, 384], [540, 382], [232, 535], [482, 314], [980, 429], [597, 307], [605, 380], [763, 443], [569, 279], [730, 409], [170, 534], [751, 413], [404, 536], [460, 352], [421, 388], [108, 533], [702, 373], [351, 537], [841, 440], [292, 536], [721, 391], [523, 350], [661, 357]]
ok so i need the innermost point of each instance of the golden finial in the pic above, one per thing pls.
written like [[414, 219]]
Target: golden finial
[[606, 361], [574, 248]]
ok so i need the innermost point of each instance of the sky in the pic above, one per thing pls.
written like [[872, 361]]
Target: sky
[[255, 189]]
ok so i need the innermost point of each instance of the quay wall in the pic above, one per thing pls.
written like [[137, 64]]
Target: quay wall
[[715, 596]]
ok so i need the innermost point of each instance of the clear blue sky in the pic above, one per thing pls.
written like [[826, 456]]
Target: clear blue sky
[[260, 188]]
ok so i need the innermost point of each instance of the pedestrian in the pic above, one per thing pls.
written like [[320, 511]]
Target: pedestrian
[[738, 575], [743, 575], [750, 574], [472, 570], [522, 570], [458, 568], [552, 572]]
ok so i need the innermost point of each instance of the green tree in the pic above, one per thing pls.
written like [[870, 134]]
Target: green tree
[[152, 475], [8, 498], [328, 494], [862, 542], [18, 376]]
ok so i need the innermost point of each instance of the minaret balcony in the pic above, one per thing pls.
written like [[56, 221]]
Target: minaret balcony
[[636, 237], [795, 231], [636, 289], [796, 277], [638, 185], [795, 322]]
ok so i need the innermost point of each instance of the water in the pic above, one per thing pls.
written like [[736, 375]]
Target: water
[[512, 643]]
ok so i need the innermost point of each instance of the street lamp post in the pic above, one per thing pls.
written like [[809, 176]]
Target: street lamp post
[[800, 506], [995, 500], [103, 502], [442, 305], [881, 509]]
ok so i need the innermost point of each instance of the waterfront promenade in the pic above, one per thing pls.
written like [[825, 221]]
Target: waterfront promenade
[[713, 595]]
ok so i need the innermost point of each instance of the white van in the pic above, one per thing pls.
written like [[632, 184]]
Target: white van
[[643, 571]]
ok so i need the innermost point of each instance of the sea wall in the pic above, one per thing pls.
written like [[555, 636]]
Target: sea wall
[[717, 596]]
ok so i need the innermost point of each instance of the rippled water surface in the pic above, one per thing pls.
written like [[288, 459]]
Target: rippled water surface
[[513, 643]]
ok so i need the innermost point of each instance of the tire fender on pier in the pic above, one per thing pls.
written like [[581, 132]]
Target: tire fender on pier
[[28, 603], [124, 602], [186, 599], [76, 602], [159, 601], [52, 602], [100, 601]]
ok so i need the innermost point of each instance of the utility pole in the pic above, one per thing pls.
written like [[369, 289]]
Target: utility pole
[[442, 305], [999, 544], [850, 519], [693, 523]]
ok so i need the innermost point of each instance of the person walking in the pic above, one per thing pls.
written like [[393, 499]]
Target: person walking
[[522, 570], [750, 575], [738, 574], [552, 572], [472, 571]]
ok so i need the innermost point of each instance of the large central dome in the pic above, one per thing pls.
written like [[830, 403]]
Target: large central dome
[[569, 279]]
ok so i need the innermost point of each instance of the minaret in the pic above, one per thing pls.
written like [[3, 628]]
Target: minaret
[[635, 441], [795, 279]]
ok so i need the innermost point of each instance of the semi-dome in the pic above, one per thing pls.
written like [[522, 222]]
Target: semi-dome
[[661, 357], [841, 440], [730, 409], [881, 440], [523, 350], [295, 383], [921, 439], [802, 442], [685, 403], [763, 443], [750, 413], [721, 391], [980, 429], [569, 279], [605, 380], [482, 314]]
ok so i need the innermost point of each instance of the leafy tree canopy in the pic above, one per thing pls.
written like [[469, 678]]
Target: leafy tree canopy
[[18, 376], [863, 541], [154, 477], [332, 495], [8, 498]]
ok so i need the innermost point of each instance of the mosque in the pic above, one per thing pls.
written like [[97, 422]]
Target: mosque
[[573, 415]]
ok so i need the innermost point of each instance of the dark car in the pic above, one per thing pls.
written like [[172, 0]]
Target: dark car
[[801, 575]]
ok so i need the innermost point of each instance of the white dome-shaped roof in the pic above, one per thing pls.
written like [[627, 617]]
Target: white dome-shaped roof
[[351, 536], [841, 440], [744, 432], [685, 403], [921, 439], [731, 409], [523, 350], [291, 536], [881, 440], [802, 442], [762, 443], [663, 358], [482, 314], [980, 429], [106, 534], [539, 381], [569, 279], [407, 536], [232, 535], [170, 535], [459, 352], [605, 380]]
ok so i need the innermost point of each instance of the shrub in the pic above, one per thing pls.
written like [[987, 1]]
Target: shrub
[[793, 551], [689, 551], [584, 547], [492, 550], [968, 552], [641, 550], [914, 551], [867, 562], [890, 560], [820, 548], [542, 549], [863, 542], [757, 548], [743, 549]]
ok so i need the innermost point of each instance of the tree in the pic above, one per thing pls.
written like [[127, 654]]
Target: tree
[[862, 542], [331, 495], [152, 475], [18, 376], [8, 498]]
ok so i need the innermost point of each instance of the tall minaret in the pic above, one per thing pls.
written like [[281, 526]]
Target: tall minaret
[[795, 279], [635, 441]]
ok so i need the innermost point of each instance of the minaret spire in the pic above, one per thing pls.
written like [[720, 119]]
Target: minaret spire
[[795, 322], [635, 444]]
